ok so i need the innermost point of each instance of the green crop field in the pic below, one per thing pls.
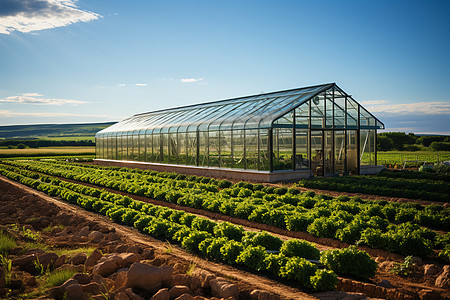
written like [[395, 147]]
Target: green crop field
[[414, 158], [47, 151]]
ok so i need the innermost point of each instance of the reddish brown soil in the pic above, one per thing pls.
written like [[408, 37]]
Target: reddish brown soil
[[404, 288]]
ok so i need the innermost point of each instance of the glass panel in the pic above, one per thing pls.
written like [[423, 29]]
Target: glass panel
[[339, 151], [367, 147], [339, 113], [302, 116], [352, 114], [301, 153], [329, 153], [182, 158], [192, 148], [172, 147], [213, 139], [282, 146], [352, 152], [142, 146], [157, 147], [135, 146], [264, 150], [238, 149], [203, 155], [316, 152], [165, 147], [251, 149], [148, 147], [114, 146], [125, 148], [329, 112], [226, 154], [365, 119], [286, 120], [317, 111]]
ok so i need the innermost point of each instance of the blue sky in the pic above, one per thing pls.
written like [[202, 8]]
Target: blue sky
[[103, 60]]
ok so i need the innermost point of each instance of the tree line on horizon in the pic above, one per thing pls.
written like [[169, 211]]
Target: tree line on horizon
[[400, 141]]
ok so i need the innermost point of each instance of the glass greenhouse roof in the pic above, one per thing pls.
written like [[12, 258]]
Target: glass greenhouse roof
[[251, 112]]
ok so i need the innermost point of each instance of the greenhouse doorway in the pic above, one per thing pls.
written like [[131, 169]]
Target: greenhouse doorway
[[333, 152], [322, 153]]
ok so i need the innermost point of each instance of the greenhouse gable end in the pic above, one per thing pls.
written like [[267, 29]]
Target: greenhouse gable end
[[286, 135]]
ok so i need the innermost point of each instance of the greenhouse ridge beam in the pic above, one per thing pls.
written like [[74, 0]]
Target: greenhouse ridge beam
[[318, 130]]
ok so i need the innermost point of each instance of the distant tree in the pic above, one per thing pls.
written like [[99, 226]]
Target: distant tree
[[440, 146], [400, 139], [21, 146], [411, 148], [428, 139], [384, 143]]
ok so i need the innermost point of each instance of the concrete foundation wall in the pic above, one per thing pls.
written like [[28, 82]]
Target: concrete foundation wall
[[253, 175], [371, 170]]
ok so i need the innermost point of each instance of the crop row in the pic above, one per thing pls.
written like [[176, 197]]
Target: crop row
[[224, 242], [348, 219], [408, 174], [395, 187]]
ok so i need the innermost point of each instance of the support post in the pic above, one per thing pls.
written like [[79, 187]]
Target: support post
[[270, 149]]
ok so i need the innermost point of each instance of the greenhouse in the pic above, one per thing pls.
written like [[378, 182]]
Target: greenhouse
[[318, 130]]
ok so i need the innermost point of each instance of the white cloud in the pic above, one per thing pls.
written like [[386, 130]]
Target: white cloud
[[373, 102], [30, 98], [7, 113], [141, 84], [121, 85], [33, 15], [428, 108], [191, 79]]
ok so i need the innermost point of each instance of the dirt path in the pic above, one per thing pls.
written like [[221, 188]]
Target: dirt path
[[259, 282]]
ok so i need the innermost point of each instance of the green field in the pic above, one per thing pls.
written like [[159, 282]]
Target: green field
[[52, 131], [414, 158], [47, 151]]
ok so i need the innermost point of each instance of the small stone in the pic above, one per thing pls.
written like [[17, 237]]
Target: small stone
[[93, 258], [262, 295], [430, 270], [105, 268], [91, 288], [73, 290], [134, 249], [185, 297], [443, 280], [60, 261], [121, 296], [148, 253], [129, 258], [81, 278], [148, 277], [132, 295], [162, 294], [95, 236], [78, 259], [84, 231], [178, 290], [385, 283], [112, 236], [121, 248], [224, 289]]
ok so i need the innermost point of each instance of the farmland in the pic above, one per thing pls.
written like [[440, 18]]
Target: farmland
[[413, 158], [47, 151], [162, 205]]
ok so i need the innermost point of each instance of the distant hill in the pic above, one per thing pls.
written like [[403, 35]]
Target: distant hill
[[51, 130]]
